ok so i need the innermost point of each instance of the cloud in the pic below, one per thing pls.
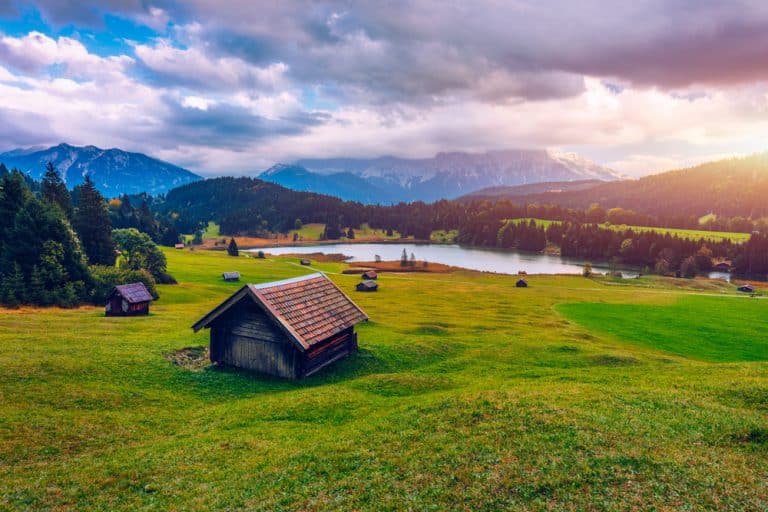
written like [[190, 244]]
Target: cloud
[[21, 129], [35, 53], [226, 87], [193, 68]]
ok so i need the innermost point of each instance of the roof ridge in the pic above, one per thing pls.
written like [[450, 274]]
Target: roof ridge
[[283, 282]]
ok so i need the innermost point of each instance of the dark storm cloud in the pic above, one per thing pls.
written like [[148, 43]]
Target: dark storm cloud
[[228, 126], [494, 51]]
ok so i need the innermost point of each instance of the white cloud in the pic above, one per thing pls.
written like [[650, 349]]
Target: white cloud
[[192, 67]]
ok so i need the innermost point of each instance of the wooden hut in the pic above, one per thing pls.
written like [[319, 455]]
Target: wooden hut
[[521, 283], [306, 263], [231, 276], [367, 286], [723, 266], [369, 274], [128, 300], [291, 328]]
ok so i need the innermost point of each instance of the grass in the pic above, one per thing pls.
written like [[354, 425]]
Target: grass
[[314, 231], [691, 234], [468, 393], [706, 328]]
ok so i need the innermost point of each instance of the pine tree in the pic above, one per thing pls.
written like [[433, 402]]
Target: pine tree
[[232, 249], [351, 234], [91, 221], [3, 170], [404, 259], [54, 190], [37, 293]]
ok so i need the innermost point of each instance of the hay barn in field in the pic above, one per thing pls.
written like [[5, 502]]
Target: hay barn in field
[[231, 276], [367, 286], [128, 300], [291, 328]]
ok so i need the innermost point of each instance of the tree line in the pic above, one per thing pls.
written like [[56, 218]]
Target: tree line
[[60, 248]]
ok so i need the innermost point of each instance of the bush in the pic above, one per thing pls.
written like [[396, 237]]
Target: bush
[[587, 270], [106, 278]]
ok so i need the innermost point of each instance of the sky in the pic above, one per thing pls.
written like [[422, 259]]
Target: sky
[[234, 86]]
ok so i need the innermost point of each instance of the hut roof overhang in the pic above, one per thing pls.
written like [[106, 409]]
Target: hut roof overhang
[[308, 309], [134, 293]]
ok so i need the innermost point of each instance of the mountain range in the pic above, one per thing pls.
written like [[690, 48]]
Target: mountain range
[[445, 176], [113, 171]]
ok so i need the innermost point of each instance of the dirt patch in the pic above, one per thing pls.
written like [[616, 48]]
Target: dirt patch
[[359, 267], [317, 257], [611, 360], [755, 436], [191, 358]]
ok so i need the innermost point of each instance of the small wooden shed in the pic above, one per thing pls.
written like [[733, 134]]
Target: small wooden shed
[[231, 276], [367, 286], [128, 300], [291, 328], [521, 283], [369, 274]]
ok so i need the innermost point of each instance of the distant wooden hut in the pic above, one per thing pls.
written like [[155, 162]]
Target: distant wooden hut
[[521, 283], [231, 276], [306, 263], [367, 286], [369, 274], [128, 300], [291, 328], [746, 288], [178, 246]]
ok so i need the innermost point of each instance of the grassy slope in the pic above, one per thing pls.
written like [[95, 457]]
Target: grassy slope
[[468, 393], [693, 234]]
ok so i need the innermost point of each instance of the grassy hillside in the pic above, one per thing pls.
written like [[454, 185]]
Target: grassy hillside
[[468, 394], [691, 234], [731, 187]]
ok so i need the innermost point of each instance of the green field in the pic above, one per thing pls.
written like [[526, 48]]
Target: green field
[[467, 394], [692, 234]]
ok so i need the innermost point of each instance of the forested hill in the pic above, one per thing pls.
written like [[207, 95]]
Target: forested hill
[[732, 187], [252, 206]]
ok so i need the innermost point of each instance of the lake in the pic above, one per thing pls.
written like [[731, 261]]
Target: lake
[[491, 260]]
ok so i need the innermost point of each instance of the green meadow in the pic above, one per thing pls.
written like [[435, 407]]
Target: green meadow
[[467, 394], [691, 234]]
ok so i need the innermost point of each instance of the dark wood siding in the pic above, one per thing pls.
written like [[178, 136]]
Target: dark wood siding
[[246, 338], [329, 351]]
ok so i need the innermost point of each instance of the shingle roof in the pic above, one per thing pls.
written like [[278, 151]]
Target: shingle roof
[[133, 292], [309, 309]]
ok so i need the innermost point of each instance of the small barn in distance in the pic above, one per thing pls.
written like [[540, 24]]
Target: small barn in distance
[[128, 300], [367, 286], [178, 246], [231, 276], [291, 328]]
